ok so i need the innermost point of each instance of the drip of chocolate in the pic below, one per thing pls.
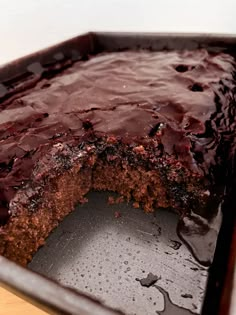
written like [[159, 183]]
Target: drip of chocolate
[[170, 308], [200, 235]]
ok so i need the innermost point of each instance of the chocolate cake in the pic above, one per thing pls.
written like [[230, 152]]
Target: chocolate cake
[[156, 127]]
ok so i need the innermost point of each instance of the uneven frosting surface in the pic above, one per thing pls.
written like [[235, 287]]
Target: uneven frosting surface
[[182, 98]]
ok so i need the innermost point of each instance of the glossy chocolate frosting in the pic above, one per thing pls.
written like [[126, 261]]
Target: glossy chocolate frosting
[[184, 99]]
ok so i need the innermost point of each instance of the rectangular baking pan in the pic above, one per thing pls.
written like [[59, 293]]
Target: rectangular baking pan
[[104, 255]]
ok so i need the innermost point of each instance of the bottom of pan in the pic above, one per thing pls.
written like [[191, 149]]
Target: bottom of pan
[[130, 260]]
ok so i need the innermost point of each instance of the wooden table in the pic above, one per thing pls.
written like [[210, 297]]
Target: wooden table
[[11, 304]]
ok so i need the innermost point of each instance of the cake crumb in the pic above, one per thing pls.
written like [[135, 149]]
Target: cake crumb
[[111, 200], [136, 205], [83, 200], [117, 214], [119, 199]]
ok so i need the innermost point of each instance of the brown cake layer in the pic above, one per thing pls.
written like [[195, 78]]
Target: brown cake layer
[[157, 127]]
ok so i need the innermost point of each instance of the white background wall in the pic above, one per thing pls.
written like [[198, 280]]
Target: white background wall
[[28, 25]]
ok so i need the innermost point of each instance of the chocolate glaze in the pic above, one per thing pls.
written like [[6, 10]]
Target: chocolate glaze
[[200, 235], [149, 280], [184, 101], [170, 308]]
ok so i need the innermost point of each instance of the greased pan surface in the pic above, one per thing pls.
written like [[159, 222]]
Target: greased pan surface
[[68, 267], [104, 250]]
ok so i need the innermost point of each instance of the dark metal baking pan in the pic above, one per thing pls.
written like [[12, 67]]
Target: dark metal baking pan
[[107, 252]]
